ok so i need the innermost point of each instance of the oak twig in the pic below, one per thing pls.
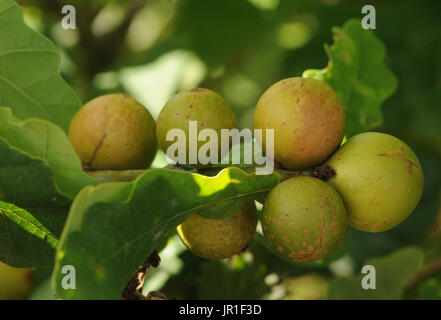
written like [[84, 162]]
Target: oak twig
[[425, 273], [133, 289]]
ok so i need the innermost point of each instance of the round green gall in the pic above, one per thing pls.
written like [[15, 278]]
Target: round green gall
[[215, 239], [304, 219], [308, 121], [114, 132], [379, 178], [206, 109], [15, 283]]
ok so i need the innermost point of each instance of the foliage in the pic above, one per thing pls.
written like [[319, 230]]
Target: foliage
[[357, 72], [146, 212], [31, 83], [40, 175], [390, 280], [50, 208]]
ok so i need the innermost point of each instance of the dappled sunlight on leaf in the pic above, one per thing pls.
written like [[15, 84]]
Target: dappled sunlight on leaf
[[113, 227]]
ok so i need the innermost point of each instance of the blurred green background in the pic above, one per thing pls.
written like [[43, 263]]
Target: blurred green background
[[153, 49]]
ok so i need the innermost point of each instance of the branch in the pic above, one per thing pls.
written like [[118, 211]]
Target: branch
[[427, 272]]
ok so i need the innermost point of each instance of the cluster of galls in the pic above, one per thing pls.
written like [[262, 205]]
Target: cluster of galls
[[377, 180], [377, 183]]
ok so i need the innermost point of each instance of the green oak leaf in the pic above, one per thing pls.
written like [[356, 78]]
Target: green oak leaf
[[29, 72], [112, 228], [430, 289], [40, 174], [260, 240], [205, 41], [392, 273], [235, 279], [29, 239], [357, 72]]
